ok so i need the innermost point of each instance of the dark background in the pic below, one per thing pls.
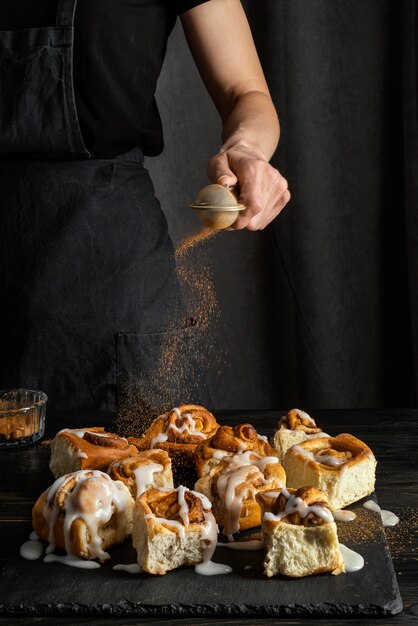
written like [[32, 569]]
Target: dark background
[[321, 309]]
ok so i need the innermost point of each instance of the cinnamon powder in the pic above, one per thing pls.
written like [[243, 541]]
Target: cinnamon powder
[[176, 370]]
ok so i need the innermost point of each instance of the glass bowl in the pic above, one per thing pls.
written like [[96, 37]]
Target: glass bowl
[[22, 416]]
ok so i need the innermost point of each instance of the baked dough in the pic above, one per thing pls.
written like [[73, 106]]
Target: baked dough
[[173, 528], [343, 466], [232, 486], [293, 428], [229, 440], [84, 513], [150, 469], [86, 448], [300, 533]]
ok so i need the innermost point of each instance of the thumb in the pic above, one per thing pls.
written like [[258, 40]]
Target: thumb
[[219, 171]]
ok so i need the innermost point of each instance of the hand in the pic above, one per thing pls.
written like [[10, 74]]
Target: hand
[[263, 189]]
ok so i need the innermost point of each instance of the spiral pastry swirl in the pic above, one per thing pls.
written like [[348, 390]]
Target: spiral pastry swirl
[[232, 486], [150, 469], [343, 466], [229, 440], [173, 528], [179, 431], [84, 513], [86, 448]]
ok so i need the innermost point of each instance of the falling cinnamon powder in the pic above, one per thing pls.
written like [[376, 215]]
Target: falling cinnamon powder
[[183, 356]]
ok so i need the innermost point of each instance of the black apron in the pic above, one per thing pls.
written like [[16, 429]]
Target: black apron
[[90, 300]]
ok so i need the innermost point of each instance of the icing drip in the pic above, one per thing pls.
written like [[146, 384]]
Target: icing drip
[[72, 561], [160, 438], [209, 530], [31, 550], [240, 468], [188, 426], [79, 432], [297, 505], [131, 568], [144, 475], [109, 495], [303, 415], [388, 518], [344, 516], [323, 459], [353, 561]]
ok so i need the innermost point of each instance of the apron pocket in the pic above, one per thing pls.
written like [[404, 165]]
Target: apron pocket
[[155, 372]]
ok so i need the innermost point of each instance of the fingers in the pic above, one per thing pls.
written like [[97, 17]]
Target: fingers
[[263, 190], [264, 195], [219, 171]]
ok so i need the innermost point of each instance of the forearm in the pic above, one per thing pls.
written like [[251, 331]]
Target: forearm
[[253, 125]]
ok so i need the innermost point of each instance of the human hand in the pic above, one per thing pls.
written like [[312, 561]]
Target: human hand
[[263, 190]]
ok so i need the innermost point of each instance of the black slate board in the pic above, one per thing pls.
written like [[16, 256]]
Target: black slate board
[[36, 588]]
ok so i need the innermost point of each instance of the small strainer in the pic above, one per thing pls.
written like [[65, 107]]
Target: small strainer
[[217, 206]]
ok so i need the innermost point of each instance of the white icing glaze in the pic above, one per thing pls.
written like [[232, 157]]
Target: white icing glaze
[[247, 546], [388, 518], [188, 426], [219, 454], [177, 526], [209, 530], [303, 415], [72, 561], [79, 432], [247, 566], [31, 550], [209, 568], [323, 459], [295, 504], [108, 494], [344, 515], [353, 561], [131, 568], [234, 475], [160, 438], [144, 475]]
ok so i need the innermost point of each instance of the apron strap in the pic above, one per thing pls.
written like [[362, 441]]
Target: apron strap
[[66, 12]]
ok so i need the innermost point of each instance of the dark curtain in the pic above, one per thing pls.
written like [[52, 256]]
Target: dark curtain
[[343, 256]]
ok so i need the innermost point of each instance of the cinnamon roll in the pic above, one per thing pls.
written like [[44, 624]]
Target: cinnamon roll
[[232, 486], [300, 533], [86, 448], [179, 432], [229, 440], [293, 428], [173, 528], [150, 469], [84, 513], [343, 466]]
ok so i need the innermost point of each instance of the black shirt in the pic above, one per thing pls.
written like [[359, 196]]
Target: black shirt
[[119, 48]]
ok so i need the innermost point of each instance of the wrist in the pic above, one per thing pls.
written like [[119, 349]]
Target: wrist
[[244, 146]]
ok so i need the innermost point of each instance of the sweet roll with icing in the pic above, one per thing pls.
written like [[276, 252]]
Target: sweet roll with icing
[[173, 528], [84, 513], [179, 432], [232, 485], [229, 440], [343, 466], [150, 469], [293, 428], [300, 533], [86, 448]]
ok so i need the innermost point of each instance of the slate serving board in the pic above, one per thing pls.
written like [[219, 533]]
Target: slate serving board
[[37, 588]]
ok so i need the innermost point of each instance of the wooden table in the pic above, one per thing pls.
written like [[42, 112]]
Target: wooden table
[[392, 434]]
